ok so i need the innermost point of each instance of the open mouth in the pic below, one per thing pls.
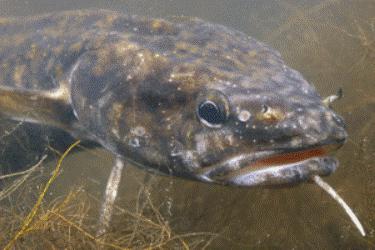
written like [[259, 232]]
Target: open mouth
[[276, 167]]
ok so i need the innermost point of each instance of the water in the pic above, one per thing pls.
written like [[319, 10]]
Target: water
[[332, 43]]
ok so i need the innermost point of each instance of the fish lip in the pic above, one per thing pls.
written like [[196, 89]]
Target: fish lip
[[297, 172], [228, 172]]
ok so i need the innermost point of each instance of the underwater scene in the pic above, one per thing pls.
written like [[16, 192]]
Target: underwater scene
[[172, 124]]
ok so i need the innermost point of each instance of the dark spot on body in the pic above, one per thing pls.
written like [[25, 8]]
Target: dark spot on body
[[158, 95], [163, 44]]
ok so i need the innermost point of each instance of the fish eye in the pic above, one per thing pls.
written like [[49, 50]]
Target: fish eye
[[265, 108], [211, 113]]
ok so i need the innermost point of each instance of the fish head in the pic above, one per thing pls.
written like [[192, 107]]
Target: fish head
[[272, 131], [212, 104], [252, 120]]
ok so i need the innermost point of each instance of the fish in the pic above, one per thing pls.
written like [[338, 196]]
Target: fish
[[190, 99], [180, 97]]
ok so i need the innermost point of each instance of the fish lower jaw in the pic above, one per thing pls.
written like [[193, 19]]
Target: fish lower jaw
[[273, 167], [289, 173]]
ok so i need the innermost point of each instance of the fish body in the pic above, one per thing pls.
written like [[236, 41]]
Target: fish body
[[182, 97]]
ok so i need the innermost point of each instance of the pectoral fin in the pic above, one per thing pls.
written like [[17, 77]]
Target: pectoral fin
[[45, 107]]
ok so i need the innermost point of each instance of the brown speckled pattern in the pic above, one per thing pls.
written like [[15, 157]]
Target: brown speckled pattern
[[133, 84]]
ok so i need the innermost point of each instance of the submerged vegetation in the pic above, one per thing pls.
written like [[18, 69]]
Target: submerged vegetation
[[28, 220], [332, 42]]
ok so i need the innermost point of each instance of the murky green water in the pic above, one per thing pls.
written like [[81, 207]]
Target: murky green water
[[332, 43]]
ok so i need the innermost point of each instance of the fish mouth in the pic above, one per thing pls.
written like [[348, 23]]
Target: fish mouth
[[273, 167]]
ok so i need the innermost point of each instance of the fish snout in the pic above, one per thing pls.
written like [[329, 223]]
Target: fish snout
[[315, 126]]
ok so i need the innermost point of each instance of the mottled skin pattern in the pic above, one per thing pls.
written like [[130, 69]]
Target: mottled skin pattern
[[135, 86]]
